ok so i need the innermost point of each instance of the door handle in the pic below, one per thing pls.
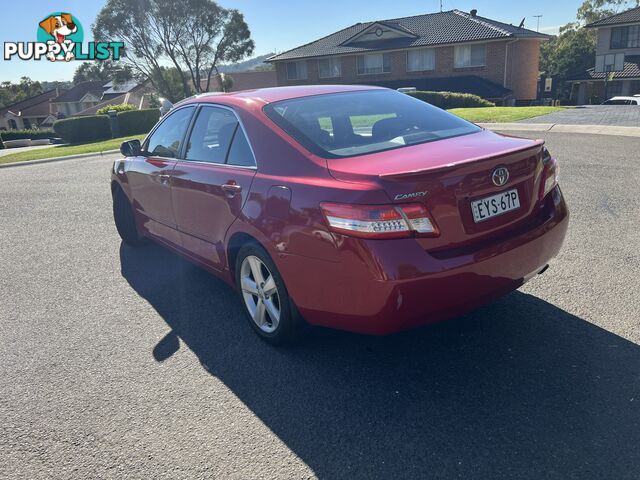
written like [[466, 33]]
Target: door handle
[[231, 188], [164, 178]]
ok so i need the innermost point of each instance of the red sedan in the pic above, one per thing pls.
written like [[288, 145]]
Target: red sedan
[[356, 208]]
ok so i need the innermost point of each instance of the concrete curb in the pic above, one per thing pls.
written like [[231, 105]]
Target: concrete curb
[[57, 159], [557, 128]]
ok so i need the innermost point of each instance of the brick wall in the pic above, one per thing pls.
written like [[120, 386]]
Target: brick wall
[[522, 68]]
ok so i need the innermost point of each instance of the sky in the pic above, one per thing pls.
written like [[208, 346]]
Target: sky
[[276, 25]]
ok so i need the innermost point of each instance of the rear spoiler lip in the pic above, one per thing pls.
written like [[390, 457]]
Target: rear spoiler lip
[[409, 173]]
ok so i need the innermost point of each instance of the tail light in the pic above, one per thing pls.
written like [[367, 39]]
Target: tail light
[[379, 221], [550, 174]]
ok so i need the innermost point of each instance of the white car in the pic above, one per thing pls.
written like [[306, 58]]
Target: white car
[[635, 100]]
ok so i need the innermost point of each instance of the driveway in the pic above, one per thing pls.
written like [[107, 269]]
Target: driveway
[[119, 362], [614, 115]]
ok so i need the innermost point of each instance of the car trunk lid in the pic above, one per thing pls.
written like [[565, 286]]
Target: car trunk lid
[[447, 175]]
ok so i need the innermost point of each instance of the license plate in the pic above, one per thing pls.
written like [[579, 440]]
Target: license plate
[[495, 205]]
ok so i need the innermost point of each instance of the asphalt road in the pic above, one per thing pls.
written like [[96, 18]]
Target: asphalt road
[[118, 363], [612, 115]]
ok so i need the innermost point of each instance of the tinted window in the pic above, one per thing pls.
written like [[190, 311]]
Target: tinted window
[[364, 122], [165, 141], [211, 135], [240, 152]]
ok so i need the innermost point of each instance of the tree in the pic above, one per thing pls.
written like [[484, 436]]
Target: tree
[[14, 92], [102, 70], [593, 10], [193, 36]]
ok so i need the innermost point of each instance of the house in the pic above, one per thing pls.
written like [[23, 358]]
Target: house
[[617, 62], [80, 97], [85, 98], [28, 113], [453, 50], [130, 92]]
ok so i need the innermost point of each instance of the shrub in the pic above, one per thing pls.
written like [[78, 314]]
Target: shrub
[[83, 129], [448, 100], [32, 133], [137, 121], [1, 144], [123, 107]]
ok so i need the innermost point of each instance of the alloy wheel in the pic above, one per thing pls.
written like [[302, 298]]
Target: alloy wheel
[[260, 293]]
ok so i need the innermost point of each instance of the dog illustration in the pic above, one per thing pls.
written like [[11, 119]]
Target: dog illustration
[[59, 27]]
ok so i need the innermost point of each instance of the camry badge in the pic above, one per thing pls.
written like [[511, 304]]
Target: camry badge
[[500, 176], [403, 196]]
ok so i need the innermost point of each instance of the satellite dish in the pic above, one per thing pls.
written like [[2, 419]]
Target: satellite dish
[[522, 22]]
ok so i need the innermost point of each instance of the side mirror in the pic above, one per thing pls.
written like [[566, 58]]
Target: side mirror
[[131, 148]]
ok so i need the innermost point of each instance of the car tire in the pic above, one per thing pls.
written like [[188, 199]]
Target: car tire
[[125, 220], [267, 297]]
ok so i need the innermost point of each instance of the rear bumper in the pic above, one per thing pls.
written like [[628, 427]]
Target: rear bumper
[[384, 286]]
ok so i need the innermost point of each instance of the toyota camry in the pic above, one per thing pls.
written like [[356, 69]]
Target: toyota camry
[[351, 207]]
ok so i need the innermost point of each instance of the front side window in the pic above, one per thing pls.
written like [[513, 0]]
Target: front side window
[[211, 135], [355, 123], [625, 37], [329, 68], [297, 70], [374, 64], [466, 56], [421, 60], [166, 140]]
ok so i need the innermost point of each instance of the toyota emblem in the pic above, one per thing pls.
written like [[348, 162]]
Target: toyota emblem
[[500, 176]]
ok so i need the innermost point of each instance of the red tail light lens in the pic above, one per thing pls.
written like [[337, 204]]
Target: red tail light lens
[[550, 174], [379, 221]]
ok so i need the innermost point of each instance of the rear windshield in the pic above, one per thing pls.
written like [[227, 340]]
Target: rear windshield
[[355, 123]]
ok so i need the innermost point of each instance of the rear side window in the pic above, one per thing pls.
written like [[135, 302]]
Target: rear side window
[[355, 123], [240, 152], [166, 140], [211, 135]]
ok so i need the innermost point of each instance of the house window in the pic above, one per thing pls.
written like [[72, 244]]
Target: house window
[[297, 70], [329, 68], [12, 124], [625, 37], [374, 63], [470, 56], [26, 122], [421, 60], [611, 62]]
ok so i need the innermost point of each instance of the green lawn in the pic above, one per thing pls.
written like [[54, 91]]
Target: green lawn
[[64, 150], [501, 114]]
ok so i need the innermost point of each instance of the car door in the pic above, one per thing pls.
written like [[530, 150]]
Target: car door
[[211, 182], [149, 174]]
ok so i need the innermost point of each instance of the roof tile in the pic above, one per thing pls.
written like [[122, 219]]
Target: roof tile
[[431, 29]]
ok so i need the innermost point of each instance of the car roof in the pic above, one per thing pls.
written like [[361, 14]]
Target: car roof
[[634, 98], [263, 96]]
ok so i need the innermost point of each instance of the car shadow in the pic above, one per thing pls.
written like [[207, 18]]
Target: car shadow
[[517, 389]]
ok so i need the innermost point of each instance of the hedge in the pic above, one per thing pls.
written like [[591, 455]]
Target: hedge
[[123, 107], [448, 100], [33, 134], [83, 129], [137, 121]]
